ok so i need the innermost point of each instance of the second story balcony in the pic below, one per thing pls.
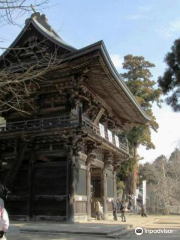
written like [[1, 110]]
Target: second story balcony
[[63, 122]]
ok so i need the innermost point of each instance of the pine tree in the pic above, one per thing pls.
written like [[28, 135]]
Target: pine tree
[[170, 81], [138, 79]]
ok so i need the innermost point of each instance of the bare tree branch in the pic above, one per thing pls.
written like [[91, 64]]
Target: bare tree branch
[[10, 10], [22, 71]]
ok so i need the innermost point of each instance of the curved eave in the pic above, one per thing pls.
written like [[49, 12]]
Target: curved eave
[[143, 117], [52, 37], [44, 32], [122, 84]]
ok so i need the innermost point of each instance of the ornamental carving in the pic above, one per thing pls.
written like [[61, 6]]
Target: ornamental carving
[[79, 79], [90, 158], [32, 41], [73, 146], [108, 160], [117, 166], [77, 146]]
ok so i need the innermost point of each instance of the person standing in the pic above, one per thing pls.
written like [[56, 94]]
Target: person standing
[[114, 208], [122, 209], [143, 211], [98, 210], [4, 220]]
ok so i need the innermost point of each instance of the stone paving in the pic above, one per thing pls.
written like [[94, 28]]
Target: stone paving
[[88, 230]]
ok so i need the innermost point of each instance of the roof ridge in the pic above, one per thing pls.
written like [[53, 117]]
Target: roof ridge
[[42, 20]]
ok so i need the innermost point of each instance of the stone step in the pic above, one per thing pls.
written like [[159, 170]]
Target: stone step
[[78, 232], [115, 234], [121, 234], [13, 231]]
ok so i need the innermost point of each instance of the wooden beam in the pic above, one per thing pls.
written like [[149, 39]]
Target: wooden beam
[[50, 198], [98, 163], [12, 173], [47, 153], [99, 115], [17, 198]]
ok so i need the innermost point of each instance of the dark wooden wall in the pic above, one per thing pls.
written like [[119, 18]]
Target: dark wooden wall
[[39, 192]]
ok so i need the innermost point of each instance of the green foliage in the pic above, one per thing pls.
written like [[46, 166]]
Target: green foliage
[[120, 185], [140, 135], [173, 169], [126, 168], [175, 156], [138, 79], [159, 161], [170, 81]]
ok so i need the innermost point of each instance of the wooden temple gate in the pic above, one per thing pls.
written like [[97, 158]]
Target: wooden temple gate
[[57, 177], [63, 154]]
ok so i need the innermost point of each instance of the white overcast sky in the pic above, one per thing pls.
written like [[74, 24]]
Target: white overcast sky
[[137, 27]]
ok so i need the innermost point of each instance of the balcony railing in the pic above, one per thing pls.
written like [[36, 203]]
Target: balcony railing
[[38, 124], [110, 139], [67, 120]]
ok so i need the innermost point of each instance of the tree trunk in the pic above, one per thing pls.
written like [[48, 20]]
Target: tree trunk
[[127, 189], [134, 173]]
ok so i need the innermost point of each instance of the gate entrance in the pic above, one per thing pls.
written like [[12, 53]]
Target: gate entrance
[[96, 189]]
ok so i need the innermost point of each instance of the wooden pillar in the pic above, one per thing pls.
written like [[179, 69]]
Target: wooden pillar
[[70, 187], [73, 150], [108, 159], [0, 167], [79, 107], [104, 183], [90, 158], [67, 188], [31, 175], [88, 179]]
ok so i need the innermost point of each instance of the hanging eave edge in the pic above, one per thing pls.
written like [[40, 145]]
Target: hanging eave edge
[[101, 47], [43, 32]]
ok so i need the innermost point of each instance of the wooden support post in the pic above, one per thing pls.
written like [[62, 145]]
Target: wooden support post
[[0, 167], [104, 179], [79, 106], [115, 187], [90, 159], [11, 175], [88, 176], [67, 188], [31, 174], [71, 187], [99, 115], [71, 194]]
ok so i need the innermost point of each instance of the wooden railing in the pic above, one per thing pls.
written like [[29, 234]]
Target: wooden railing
[[89, 124], [67, 120], [38, 124]]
